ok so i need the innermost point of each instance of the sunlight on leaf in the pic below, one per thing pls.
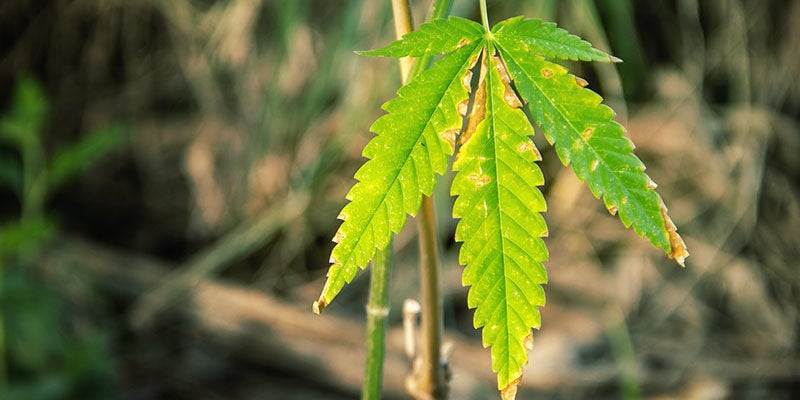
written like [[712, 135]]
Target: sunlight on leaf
[[404, 158], [588, 139], [501, 227]]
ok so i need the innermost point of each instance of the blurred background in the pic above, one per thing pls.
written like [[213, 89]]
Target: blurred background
[[171, 172]]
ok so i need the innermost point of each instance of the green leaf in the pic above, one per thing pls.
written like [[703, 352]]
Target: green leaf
[[497, 198], [22, 237], [437, 37], [501, 226], [534, 37], [587, 138], [413, 141], [23, 123], [78, 156]]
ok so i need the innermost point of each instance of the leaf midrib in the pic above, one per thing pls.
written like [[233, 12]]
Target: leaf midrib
[[490, 107]]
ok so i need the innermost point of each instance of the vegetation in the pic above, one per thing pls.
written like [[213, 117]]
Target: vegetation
[[245, 123], [498, 202]]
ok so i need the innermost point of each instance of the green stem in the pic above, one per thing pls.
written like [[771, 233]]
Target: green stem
[[625, 354], [377, 306], [430, 380], [377, 310], [485, 16], [439, 9], [403, 24], [432, 377]]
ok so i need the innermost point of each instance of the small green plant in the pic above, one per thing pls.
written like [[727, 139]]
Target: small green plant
[[488, 124], [37, 360]]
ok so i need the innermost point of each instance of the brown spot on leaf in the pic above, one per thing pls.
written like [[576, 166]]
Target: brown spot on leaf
[[587, 133], [479, 180], [338, 237], [510, 391], [449, 136], [462, 43], [466, 81], [509, 96], [581, 82], [536, 155], [612, 210], [594, 165], [528, 341], [478, 112], [501, 69], [463, 107], [319, 305], [547, 72], [678, 251]]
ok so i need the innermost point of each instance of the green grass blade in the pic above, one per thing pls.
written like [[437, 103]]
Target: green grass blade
[[79, 156], [501, 226]]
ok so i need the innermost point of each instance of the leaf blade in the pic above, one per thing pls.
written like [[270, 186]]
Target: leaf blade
[[546, 38], [587, 138], [411, 146], [436, 37], [501, 228]]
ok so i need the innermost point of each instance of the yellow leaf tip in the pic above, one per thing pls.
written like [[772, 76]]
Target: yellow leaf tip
[[528, 342], [319, 305], [678, 250], [510, 391]]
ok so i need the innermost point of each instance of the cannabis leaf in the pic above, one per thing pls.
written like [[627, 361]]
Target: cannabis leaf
[[496, 185], [501, 227], [412, 144], [437, 37], [586, 137]]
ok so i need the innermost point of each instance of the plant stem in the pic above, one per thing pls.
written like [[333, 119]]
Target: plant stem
[[485, 16], [377, 306], [625, 355], [439, 9], [403, 24], [431, 378], [377, 310]]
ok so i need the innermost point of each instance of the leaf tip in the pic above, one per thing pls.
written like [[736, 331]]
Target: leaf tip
[[319, 305], [510, 391], [678, 250], [528, 341], [614, 59], [581, 82]]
